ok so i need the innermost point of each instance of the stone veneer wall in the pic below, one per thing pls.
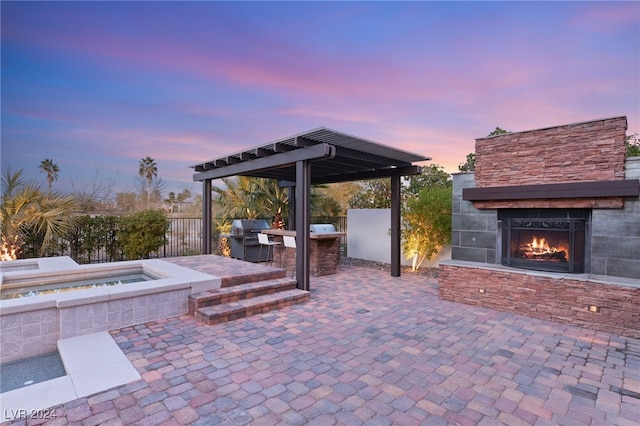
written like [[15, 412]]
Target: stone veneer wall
[[589, 151], [580, 152], [324, 256]]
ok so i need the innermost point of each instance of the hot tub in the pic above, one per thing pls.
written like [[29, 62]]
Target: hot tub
[[31, 326]]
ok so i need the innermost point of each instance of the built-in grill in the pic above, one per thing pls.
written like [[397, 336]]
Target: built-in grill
[[244, 240], [322, 228]]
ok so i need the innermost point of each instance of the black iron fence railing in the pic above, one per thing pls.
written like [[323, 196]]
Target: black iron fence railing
[[184, 238]]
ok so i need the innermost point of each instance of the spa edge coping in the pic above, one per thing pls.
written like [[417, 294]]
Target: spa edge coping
[[598, 279], [175, 277]]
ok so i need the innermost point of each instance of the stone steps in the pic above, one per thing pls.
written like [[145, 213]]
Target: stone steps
[[230, 311], [242, 300]]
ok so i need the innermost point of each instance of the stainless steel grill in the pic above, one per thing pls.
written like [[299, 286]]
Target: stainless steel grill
[[322, 228], [244, 240]]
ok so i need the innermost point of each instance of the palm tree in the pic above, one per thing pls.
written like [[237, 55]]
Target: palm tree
[[51, 169], [251, 198], [148, 169], [182, 197], [26, 207]]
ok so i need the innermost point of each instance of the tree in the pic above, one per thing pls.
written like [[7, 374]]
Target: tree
[[497, 132], [469, 165], [91, 194], [51, 169], [427, 223], [148, 170], [431, 176], [182, 197], [322, 204], [25, 207], [171, 200], [375, 194], [632, 143], [341, 193], [126, 202]]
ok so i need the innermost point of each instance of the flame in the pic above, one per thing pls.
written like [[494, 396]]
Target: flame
[[539, 246]]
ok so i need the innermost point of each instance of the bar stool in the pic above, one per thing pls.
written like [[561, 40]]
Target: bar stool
[[290, 242], [263, 239]]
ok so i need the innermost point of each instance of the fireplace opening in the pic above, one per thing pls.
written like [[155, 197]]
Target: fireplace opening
[[544, 239]]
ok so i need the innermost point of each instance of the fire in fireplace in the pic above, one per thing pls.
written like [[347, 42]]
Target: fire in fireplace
[[547, 240]]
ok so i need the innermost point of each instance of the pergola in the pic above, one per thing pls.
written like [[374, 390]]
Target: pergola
[[314, 157]]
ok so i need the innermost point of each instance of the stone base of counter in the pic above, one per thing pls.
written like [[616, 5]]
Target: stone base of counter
[[324, 256]]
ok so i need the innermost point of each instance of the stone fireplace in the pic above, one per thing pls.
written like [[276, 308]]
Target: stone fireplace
[[549, 226]]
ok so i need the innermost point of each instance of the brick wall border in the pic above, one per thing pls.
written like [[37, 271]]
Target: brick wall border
[[555, 297]]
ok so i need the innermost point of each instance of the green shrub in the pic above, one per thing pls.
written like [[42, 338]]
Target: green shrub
[[142, 233]]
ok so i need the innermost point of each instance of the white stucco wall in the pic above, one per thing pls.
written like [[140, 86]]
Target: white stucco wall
[[369, 237]]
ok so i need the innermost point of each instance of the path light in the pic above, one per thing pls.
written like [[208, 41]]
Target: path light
[[593, 309]]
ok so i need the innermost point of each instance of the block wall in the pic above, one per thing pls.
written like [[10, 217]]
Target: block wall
[[615, 234], [473, 231]]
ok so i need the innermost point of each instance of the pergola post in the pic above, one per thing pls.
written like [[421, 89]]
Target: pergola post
[[303, 221], [206, 216], [395, 226], [291, 222]]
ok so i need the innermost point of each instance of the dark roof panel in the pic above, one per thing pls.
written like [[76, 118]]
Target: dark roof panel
[[336, 157]]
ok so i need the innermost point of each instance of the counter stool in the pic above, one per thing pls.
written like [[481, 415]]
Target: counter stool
[[264, 240], [290, 242]]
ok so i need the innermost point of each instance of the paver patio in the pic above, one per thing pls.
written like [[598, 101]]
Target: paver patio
[[369, 349]]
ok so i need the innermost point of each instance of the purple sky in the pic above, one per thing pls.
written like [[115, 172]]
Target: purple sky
[[96, 86]]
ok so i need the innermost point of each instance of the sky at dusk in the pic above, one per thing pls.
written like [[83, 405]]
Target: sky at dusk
[[96, 86]]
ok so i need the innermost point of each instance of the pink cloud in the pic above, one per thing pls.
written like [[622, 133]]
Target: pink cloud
[[607, 15]]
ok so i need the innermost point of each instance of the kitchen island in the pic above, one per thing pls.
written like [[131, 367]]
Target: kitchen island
[[324, 250]]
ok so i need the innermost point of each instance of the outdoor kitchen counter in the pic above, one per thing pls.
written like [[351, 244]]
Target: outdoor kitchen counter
[[324, 250], [312, 235]]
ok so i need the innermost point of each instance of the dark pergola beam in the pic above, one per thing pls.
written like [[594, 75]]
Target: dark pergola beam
[[302, 142], [374, 174], [283, 159]]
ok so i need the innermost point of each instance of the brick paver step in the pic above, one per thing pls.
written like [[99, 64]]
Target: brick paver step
[[239, 292], [217, 314], [234, 277]]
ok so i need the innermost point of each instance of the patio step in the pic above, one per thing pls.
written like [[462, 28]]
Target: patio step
[[244, 307], [242, 277], [239, 292]]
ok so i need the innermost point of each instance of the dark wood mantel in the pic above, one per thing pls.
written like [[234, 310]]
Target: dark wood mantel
[[597, 189]]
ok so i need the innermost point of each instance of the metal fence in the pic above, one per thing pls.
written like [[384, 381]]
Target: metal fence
[[184, 238], [185, 235]]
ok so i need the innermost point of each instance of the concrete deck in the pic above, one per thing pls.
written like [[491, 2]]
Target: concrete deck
[[367, 349]]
